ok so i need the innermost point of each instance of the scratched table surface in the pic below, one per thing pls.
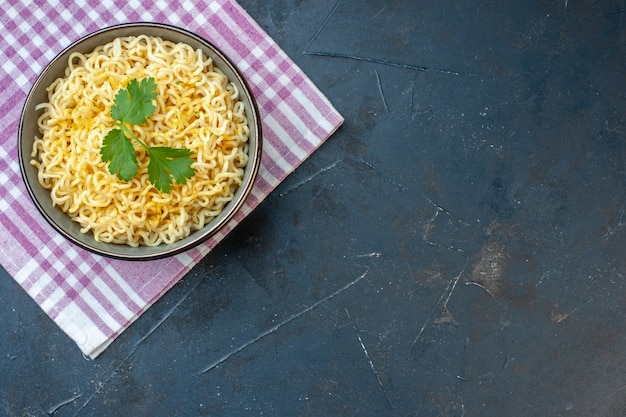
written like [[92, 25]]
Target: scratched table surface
[[457, 248]]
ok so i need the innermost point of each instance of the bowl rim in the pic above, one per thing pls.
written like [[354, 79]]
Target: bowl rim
[[163, 250]]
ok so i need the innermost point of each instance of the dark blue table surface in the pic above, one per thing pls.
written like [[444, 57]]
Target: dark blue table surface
[[456, 249]]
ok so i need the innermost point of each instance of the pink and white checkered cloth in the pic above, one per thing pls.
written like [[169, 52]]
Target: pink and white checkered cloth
[[91, 298]]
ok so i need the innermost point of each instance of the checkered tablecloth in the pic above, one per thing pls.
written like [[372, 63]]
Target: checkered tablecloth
[[91, 298]]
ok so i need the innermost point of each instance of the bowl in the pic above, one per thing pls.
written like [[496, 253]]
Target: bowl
[[28, 129]]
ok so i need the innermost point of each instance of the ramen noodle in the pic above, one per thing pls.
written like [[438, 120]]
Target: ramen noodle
[[197, 108]]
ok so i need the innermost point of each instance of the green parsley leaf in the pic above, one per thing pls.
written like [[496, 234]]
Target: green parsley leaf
[[119, 151], [166, 163], [133, 105]]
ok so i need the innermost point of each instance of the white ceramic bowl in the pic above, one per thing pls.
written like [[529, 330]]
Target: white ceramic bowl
[[28, 129]]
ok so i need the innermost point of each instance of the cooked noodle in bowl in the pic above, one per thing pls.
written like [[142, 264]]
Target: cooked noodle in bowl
[[199, 107]]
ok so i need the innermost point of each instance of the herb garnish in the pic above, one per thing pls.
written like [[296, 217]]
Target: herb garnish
[[132, 106]]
